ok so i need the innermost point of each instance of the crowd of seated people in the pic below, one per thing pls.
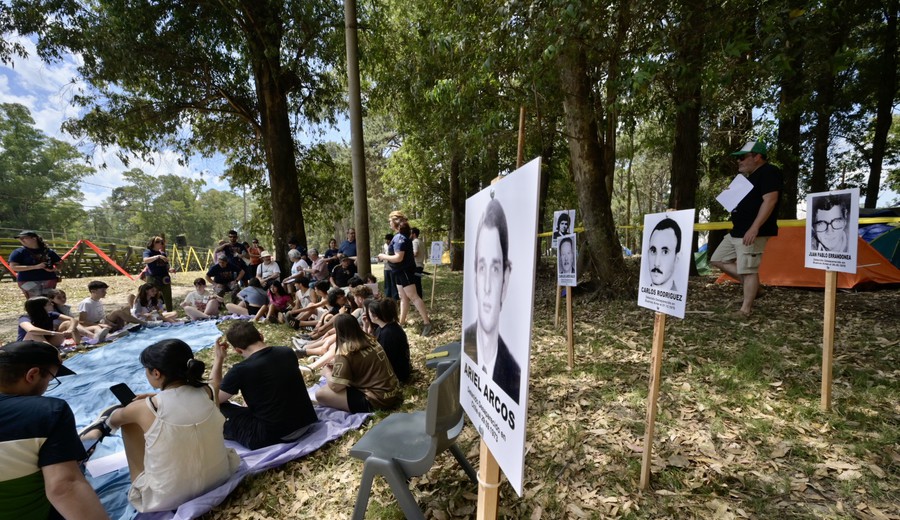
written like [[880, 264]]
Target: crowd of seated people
[[354, 340]]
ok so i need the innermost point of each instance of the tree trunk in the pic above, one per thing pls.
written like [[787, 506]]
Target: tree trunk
[[275, 129], [887, 90], [824, 105], [601, 246], [457, 213], [789, 122]]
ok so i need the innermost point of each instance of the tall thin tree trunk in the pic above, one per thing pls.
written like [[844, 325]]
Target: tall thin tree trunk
[[789, 121], [457, 212], [887, 91]]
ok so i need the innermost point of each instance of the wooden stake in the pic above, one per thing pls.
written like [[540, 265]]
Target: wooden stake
[[520, 152], [433, 283], [659, 336], [570, 327], [488, 484], [559, 291], [828, 338]]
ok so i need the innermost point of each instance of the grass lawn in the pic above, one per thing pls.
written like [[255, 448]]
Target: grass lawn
[[739, 432]]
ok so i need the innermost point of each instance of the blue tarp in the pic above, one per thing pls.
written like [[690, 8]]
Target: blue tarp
[[87, 393]]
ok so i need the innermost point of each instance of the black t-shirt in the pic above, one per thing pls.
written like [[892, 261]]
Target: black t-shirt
[[273, 388], [342, 276], [766, 179], [392, 339], [224, 275]]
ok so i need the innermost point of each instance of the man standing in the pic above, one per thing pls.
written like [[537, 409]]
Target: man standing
[[278, 406], [419, 257], [234, 250], [754, 221], [39, 447], [482, 341], [35, 264], [664, 251]]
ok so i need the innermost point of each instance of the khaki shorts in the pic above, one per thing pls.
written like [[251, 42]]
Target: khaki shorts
[[747, 258]]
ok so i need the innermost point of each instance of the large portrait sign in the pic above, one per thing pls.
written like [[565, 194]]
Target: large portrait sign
[[437, 252], [566, 261], [832, 224], [498, 298], [563, 224], [665, 261]]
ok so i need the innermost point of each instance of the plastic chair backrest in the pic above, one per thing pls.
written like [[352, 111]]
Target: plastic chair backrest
[[443, 412]]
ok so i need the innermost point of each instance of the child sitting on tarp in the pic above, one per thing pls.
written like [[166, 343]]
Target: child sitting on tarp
[[92, 312], [149, 306]]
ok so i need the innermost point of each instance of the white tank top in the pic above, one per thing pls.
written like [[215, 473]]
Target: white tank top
[[185, 454]]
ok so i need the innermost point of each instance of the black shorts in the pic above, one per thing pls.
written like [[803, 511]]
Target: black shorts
[[357, 401], [252, 309], [404, 278], [242, 427]]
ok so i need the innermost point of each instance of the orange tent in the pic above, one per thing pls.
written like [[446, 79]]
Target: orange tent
[[782, 264]]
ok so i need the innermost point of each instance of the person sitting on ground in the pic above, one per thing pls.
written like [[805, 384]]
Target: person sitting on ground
[[225, 276], [148, 306], [317, 306], [304, 296], [35, 264], [331, 254], [359, 295], [268, 271], [92, 312], [391, 336], [279, 303], [39, 448], [318, 269], [37, 323], [278, 405], [337, 304], [173, 439], [360, 378], [201, 304], [341, 274], [58, 299], [252, 299], [298, 269]]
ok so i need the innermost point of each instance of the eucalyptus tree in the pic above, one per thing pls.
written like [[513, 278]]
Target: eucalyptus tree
[[238, 77]]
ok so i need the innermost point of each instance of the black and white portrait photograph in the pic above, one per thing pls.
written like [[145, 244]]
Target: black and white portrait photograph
[[832, 223], [498, 298], [437, 252], [566, 261], [665, 261], [563, 224]]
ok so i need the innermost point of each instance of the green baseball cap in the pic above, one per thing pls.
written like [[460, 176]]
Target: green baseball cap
[[752, 147]]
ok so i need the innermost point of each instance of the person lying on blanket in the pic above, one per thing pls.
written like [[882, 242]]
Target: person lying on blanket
[[173, 439], [278, 406]]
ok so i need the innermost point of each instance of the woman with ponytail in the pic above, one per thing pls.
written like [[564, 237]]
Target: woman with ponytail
[[173, 439], [403, 266]]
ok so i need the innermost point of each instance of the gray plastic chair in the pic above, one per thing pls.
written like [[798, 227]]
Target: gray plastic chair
[[404, 445]]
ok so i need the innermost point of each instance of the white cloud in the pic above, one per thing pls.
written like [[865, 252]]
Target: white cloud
[[47, 91]]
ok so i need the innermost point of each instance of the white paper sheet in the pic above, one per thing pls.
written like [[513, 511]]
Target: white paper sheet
[[107, 464], [735, 192]]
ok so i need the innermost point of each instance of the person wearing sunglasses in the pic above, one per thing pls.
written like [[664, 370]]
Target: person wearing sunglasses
[[40, 449], [754, 221]]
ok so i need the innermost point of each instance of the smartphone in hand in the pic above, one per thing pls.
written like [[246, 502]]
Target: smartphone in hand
[[122, 393]]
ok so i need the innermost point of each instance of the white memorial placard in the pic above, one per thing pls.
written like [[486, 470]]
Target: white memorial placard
[[666, 261], [832, 225], [437, 253], [563, 224], [498, 299], [566, 261]]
